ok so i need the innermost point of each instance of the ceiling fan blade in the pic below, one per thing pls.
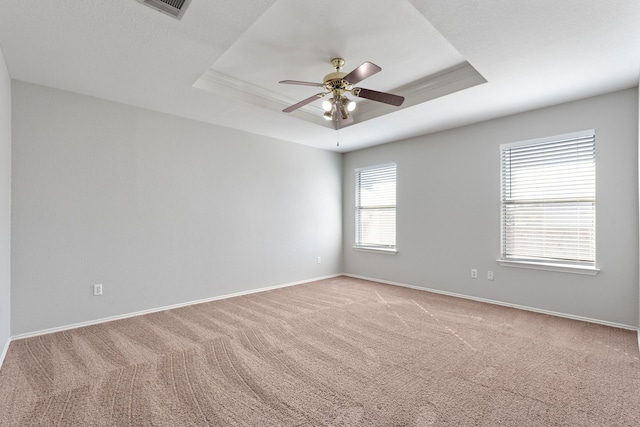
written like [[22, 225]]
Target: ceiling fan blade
[[367, 69], [304, 102], [374, 95], [297, 82]]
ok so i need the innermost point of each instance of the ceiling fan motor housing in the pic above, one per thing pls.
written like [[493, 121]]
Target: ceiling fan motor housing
[[335, 82]]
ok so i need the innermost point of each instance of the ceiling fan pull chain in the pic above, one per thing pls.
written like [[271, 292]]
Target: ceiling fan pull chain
[[337, 137]]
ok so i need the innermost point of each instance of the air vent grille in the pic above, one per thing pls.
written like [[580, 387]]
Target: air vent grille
[[175, 8]]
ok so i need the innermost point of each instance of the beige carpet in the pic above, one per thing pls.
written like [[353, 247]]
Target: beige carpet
[[339, 352]]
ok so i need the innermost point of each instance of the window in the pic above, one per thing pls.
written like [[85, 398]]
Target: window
[[376, 208], [548, 189]]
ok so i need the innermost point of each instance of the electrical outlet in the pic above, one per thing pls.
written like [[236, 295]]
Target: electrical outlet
[[319, 260], [474, 273], [97, 289], [489, 275]]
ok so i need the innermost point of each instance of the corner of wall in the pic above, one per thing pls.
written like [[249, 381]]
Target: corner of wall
[[4, 352], [5, 207]]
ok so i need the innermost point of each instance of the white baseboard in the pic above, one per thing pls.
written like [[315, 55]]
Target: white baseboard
[[505, 304], [388, 282], [168, 307]]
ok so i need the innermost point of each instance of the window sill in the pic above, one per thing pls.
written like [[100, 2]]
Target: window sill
[[376, 250], [590, 271]]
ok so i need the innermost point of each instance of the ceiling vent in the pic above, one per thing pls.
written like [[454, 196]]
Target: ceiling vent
[[175, 8]]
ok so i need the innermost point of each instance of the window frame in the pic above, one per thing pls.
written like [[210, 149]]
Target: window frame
[[358, 246], [543, 264]]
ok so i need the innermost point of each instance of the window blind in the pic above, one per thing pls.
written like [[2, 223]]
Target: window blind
[[376, 207], [549, 200]]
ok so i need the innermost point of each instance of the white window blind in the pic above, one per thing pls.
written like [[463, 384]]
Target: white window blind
[[549, 200], [376, 207]]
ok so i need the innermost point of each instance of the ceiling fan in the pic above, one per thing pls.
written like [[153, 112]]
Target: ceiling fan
[[337, 84]]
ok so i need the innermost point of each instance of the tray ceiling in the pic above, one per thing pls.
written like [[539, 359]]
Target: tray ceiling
[[456, 62]]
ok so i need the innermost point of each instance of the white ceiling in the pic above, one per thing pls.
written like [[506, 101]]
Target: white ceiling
[[507, 55]]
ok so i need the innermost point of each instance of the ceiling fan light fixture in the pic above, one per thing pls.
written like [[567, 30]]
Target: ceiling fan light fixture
[[327, 104], [328, 115], [342, 110], [349, 104]]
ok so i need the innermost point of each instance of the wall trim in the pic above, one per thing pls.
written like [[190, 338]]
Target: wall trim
[[505, 304], [168, 307]]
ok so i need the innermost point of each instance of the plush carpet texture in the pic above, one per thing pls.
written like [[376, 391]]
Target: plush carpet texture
[[337, 352]]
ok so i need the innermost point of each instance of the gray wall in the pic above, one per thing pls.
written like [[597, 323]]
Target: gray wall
[[5, 204], [164, 210], [161, 210], [448, 212]]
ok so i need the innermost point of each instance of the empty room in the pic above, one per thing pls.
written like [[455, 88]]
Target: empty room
[[337, 213]]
